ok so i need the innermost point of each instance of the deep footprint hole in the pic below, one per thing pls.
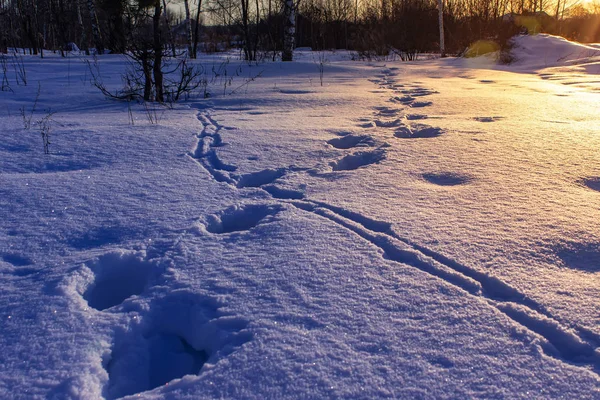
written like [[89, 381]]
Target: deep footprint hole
[[418, 132], [241, 218], [118, 276], [581, 256], [16, 259], [592, 183], [359, 159], [172, 357], [350, 141], [257, 179], [446, 178], [177, 335]]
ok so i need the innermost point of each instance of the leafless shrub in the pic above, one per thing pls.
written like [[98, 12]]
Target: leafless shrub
[[27, 116], [19, 68], [44, 125], [321, 61], [5, 86]]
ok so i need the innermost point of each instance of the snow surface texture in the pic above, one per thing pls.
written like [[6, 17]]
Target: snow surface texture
[[408, 230]]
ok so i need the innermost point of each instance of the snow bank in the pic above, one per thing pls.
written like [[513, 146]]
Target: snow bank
[[542, 51]]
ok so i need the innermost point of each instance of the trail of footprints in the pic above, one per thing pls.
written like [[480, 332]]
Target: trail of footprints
[[575, 345], [165, 342], [403, 117]]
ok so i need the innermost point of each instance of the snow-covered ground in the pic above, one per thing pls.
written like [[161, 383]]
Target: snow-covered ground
[[407, 230]]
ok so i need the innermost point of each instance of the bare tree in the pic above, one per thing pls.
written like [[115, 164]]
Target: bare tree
[[95, 28], [197, 29], [188, 28], [441, 25], [289, 30]]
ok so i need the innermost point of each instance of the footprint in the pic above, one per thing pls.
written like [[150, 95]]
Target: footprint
[[367, 125], [487, 81], [282, 193], [295, 91], [179, 334], [359, 159], [441, 361], [350, 141], [406, 100], [420, 104], [487, 119], [172, 357], [387, 111], [446, 178], [414, 117], [217, 163], [257, 179], [241, 218], [592, 183], [581, 256], [21, 272], [388, 124], [16, 259], [418, 132], [117, 277], [419, 92]]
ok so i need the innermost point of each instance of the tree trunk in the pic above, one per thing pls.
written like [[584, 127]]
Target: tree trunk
[[289, 30], [95, 28], [197, 29], [83, 44], [188, 29], [441, 24], [157, 67], [170, 32], [145, 61]]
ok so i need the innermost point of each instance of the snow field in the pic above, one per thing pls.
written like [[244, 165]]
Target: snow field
[[418, 230]]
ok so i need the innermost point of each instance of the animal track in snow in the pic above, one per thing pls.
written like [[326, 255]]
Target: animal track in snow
[[387, 111], [418, 92], [358, 159], [592, 183], [180, 333], [420, 104], [405, 100], [15, 259], [282, 193], [418, 132], [350, 141], [557, 341], [117, 277], [257, 179], [446, 178], [563, 343], [172, 357], [414, 117], [441, 361], [241, 218], [388, 123], [487, 119], [294, 91], [205, 153], [581, 256]]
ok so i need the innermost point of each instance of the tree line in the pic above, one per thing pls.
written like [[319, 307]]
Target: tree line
[[272, 28]]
